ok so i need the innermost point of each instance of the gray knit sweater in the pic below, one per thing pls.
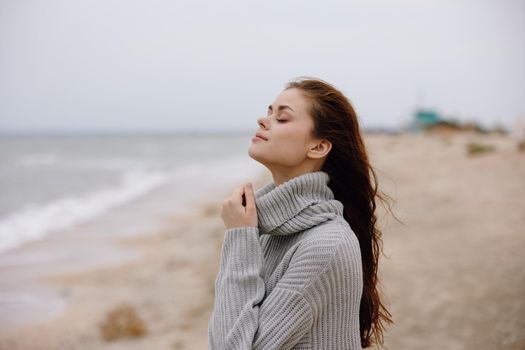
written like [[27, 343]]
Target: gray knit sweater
[[293, 282]]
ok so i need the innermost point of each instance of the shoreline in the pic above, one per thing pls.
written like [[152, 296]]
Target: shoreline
[[39, 276]]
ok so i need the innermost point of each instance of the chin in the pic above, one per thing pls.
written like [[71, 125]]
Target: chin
[[255, 156]]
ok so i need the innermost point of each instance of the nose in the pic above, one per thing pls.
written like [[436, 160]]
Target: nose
[[261, 122]]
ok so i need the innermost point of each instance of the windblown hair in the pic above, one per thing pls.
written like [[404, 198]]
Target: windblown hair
[[354, 183]]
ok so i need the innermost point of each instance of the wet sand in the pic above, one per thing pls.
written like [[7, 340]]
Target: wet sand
[[454, 272]]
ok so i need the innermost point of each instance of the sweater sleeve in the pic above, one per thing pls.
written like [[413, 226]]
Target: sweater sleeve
[[240, 319]]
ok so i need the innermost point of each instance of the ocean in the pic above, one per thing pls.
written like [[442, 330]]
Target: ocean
[[56, 183]]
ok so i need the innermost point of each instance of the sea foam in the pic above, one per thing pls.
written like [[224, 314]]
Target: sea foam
[[196, 180], [34, 221]]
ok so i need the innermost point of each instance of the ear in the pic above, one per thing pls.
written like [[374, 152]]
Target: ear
[[319, 149]]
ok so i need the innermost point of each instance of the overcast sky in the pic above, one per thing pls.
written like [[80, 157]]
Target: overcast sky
[[215, 65]]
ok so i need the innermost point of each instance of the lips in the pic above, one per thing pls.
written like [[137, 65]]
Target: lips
[[261, 136]]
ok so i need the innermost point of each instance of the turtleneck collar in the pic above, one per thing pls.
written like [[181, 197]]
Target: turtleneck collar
[[296, 205]]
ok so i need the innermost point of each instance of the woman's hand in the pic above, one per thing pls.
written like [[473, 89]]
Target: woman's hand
[[234, 213]]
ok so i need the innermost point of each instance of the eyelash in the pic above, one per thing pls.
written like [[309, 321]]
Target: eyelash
[[281, 120]]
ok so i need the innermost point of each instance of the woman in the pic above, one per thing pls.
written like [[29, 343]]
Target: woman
[[299, 259]]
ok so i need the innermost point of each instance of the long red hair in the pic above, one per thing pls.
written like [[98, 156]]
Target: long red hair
[[354, 183]]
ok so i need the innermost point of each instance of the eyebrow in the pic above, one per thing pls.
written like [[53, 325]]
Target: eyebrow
[[280, 108]]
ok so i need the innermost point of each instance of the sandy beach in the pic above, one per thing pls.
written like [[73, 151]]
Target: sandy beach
[[453, 272]]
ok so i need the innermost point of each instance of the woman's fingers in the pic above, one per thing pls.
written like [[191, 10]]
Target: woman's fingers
[[236, 197], [235, 213], [248, 192]]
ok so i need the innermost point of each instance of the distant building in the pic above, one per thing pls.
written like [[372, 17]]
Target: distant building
[[429, 121], [422, 119], [425, 118]]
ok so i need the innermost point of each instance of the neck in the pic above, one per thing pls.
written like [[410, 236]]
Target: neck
[[281, 175]]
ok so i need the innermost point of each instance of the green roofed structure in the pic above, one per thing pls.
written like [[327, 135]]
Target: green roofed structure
[[426, 118]]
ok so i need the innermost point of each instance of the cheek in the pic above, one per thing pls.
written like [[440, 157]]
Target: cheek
[[292, 137], [289, 143]]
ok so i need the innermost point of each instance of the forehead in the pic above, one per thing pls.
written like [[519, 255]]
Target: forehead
[[293, 98]]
